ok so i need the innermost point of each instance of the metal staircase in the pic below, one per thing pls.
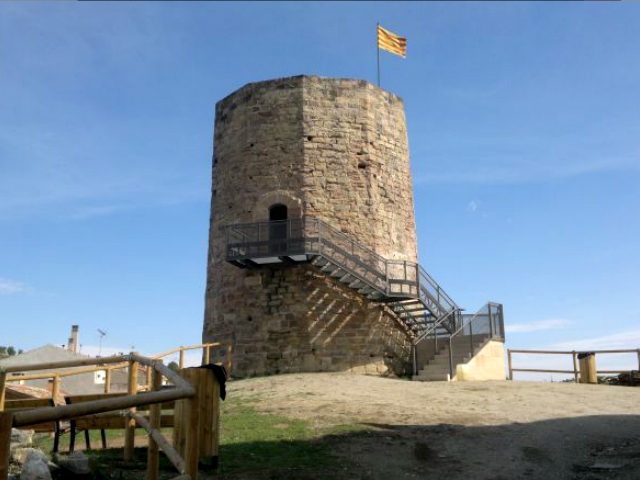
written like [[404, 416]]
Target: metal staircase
[[410, 292], [430, 315], [437, 355]]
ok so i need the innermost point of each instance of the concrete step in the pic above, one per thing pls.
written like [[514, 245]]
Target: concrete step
[[445, 362], [431, 377], [436, 370]]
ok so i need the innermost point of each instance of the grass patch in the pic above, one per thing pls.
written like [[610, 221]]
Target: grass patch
[[252, 441], [252, 445]]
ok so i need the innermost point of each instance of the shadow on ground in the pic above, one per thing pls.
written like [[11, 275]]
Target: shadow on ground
[[580, 448], [590, 448]]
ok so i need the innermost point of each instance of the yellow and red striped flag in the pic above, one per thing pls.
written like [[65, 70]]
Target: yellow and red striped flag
[[391, 42]]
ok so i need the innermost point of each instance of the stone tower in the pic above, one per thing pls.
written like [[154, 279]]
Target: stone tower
[[320, 161]]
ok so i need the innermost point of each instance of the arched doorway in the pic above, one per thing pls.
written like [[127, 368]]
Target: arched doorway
[[277, 211], [278, 228]]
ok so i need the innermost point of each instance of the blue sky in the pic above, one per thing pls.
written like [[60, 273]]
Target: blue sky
[[523, 128]]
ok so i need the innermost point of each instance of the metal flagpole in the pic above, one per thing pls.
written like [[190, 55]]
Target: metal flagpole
[[378, 45]]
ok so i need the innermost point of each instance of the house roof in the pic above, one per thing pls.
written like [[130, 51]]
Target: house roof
[[45, 354], [21, 392]]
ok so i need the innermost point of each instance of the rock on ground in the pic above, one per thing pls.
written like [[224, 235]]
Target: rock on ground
[[35, 467]]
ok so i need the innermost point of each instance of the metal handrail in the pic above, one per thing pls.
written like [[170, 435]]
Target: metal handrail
[[495, 330], [423, 284], [497, 306], [437, 324]]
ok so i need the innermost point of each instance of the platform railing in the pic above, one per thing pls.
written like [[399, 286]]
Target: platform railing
[[312, 236]]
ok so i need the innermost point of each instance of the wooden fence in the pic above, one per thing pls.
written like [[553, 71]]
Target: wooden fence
[[190, 412], [574, 354], [56, 376]]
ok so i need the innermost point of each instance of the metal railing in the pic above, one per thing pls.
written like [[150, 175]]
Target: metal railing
[[463, 334], [486, 324], [312, 236]]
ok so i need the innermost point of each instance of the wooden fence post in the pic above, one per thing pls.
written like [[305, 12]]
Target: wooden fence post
[[191, 451], [6, 422], [130, 423], [55, 389], [510, 366], [149, 372], [107, 380], [3, 384], [153, 453], [196, 424], [207, 355], [181, 361], [575, 366]]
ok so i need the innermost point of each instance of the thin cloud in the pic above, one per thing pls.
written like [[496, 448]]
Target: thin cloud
[[472, 206], [519, 172], [616, 341], [12, 287], [550, 324]]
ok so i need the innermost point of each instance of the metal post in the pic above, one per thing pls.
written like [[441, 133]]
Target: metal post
[[378, 46], [415, 361], [471, 337], [450, 359], [435, 334], [490, 321]]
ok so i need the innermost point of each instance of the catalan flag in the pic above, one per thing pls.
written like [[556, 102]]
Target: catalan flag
[[391, 42]]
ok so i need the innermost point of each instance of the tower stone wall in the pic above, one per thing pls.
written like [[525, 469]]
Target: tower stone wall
[[333, 149]]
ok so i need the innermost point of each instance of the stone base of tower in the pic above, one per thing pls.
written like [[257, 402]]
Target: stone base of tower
[[295, 319]]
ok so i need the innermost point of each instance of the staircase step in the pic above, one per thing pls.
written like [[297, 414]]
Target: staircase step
[[365, 290], [319, 261], [329, 267], [337, 273], [438, 377]]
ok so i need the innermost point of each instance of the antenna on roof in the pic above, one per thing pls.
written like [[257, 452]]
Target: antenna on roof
[[102, 335]]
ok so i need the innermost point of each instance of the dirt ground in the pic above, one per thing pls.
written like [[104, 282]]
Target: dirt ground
[[475, 430]]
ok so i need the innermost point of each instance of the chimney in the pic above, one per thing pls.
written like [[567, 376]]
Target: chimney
[[73, 339]]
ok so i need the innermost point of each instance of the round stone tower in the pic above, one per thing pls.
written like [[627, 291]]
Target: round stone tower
[[299, 154]]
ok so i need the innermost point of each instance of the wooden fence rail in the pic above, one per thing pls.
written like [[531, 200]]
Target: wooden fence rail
[[97, 365], [183, 390], [574, 354]]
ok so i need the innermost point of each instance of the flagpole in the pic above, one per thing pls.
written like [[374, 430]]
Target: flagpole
[[378, 45]]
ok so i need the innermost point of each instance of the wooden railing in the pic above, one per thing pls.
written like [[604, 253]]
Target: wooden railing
[[156, 371], [188, 467], [574, 354], [56, 376]]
